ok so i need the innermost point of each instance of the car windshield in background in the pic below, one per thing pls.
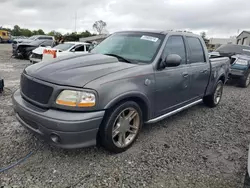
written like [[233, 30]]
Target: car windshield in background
[[64, 46], [231, 49], [33, 38], [36, 42], [136, 46]]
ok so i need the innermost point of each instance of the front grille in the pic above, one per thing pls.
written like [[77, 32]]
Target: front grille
[[37, 56], [35, 91]]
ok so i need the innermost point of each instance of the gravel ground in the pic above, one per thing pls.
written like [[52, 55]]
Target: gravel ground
[[200, 147]]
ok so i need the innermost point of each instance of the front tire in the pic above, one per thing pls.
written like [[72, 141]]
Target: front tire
[[245, 80], [214, 99], [121, 127], [27, 55]]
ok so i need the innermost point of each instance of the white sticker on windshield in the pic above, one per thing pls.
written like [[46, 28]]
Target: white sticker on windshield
[[149, 38]]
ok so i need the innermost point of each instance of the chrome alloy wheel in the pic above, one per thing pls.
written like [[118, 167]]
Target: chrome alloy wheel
[[218, 93], [125, 127], [248, 80]]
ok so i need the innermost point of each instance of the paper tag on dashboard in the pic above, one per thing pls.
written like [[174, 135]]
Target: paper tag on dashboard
[[149, 38]]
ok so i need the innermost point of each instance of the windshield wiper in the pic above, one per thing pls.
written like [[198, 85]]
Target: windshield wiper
[[120, 57]]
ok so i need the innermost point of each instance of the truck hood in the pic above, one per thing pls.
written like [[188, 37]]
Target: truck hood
[[23, 40], [76, 71]]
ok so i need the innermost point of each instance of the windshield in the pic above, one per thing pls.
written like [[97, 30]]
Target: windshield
[[33, 37], [233, 49], [137, 46], [36, 42], [64, 46]]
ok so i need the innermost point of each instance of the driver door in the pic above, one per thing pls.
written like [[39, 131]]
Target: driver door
[[172, 83]]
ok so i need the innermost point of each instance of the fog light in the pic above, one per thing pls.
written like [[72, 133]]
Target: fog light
[[55, 138]]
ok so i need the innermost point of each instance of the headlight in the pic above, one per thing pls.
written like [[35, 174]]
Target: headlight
[[242, 62], [76, 98]]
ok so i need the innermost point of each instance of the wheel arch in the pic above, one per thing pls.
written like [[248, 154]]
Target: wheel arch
[[137, 97], [222, 77]]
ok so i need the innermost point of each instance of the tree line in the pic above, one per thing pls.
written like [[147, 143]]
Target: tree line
[[18, 31], [98, 26]]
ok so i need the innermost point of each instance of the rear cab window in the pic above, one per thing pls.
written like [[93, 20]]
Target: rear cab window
[[196, 51]]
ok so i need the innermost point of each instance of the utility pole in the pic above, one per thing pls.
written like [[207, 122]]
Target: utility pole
[[75, 20]]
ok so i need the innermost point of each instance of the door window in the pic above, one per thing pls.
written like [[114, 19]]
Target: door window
[[175, 45], [196, 50], [79, 48], [47, 43]]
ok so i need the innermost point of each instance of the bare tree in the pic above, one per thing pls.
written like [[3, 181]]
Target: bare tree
[[204, 35], [99, 26]]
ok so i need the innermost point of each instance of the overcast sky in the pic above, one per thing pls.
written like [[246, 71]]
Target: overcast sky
[[219, 18]]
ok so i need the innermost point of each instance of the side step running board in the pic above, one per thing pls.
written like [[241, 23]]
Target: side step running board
[[174, 112]]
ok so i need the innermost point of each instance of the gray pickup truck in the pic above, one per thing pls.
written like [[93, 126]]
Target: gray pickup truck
[[106, 96]]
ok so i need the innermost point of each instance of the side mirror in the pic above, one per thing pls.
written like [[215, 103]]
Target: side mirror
[[172, 60], [73, 50], [90, 48]]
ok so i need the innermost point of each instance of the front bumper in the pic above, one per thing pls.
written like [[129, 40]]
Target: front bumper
[[72, 129], [35, 60], [237, 72]]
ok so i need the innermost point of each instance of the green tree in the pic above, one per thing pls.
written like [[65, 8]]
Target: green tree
[[26, 32], [54, 33], [85, 34], [16, 31], [41, 32]]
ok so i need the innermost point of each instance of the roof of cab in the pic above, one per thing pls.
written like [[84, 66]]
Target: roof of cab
[[75, 43], [164, 32]]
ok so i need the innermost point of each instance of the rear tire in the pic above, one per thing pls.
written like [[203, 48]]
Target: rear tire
[[245, 80], [214, 99], [246, 181], [1, 40], [121, 127]]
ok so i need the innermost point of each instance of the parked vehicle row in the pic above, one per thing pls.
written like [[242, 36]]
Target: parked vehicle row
[[24, 49], [65, 49], [240, 62], [129, 79]]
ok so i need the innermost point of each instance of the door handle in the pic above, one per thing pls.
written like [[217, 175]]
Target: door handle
[[204, 71], [185, 75]]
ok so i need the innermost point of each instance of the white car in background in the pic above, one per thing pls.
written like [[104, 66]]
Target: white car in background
[[67, 48]]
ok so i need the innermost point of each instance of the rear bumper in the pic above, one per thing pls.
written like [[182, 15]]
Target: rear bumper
[[71, 129]]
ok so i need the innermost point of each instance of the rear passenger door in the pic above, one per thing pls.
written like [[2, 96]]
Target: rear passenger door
[[198, 68]]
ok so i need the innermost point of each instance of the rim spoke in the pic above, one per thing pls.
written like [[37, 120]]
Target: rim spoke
[[132, 114], [116, 130], [115, 133], [121, 139], [133, 126], [132, 131]]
